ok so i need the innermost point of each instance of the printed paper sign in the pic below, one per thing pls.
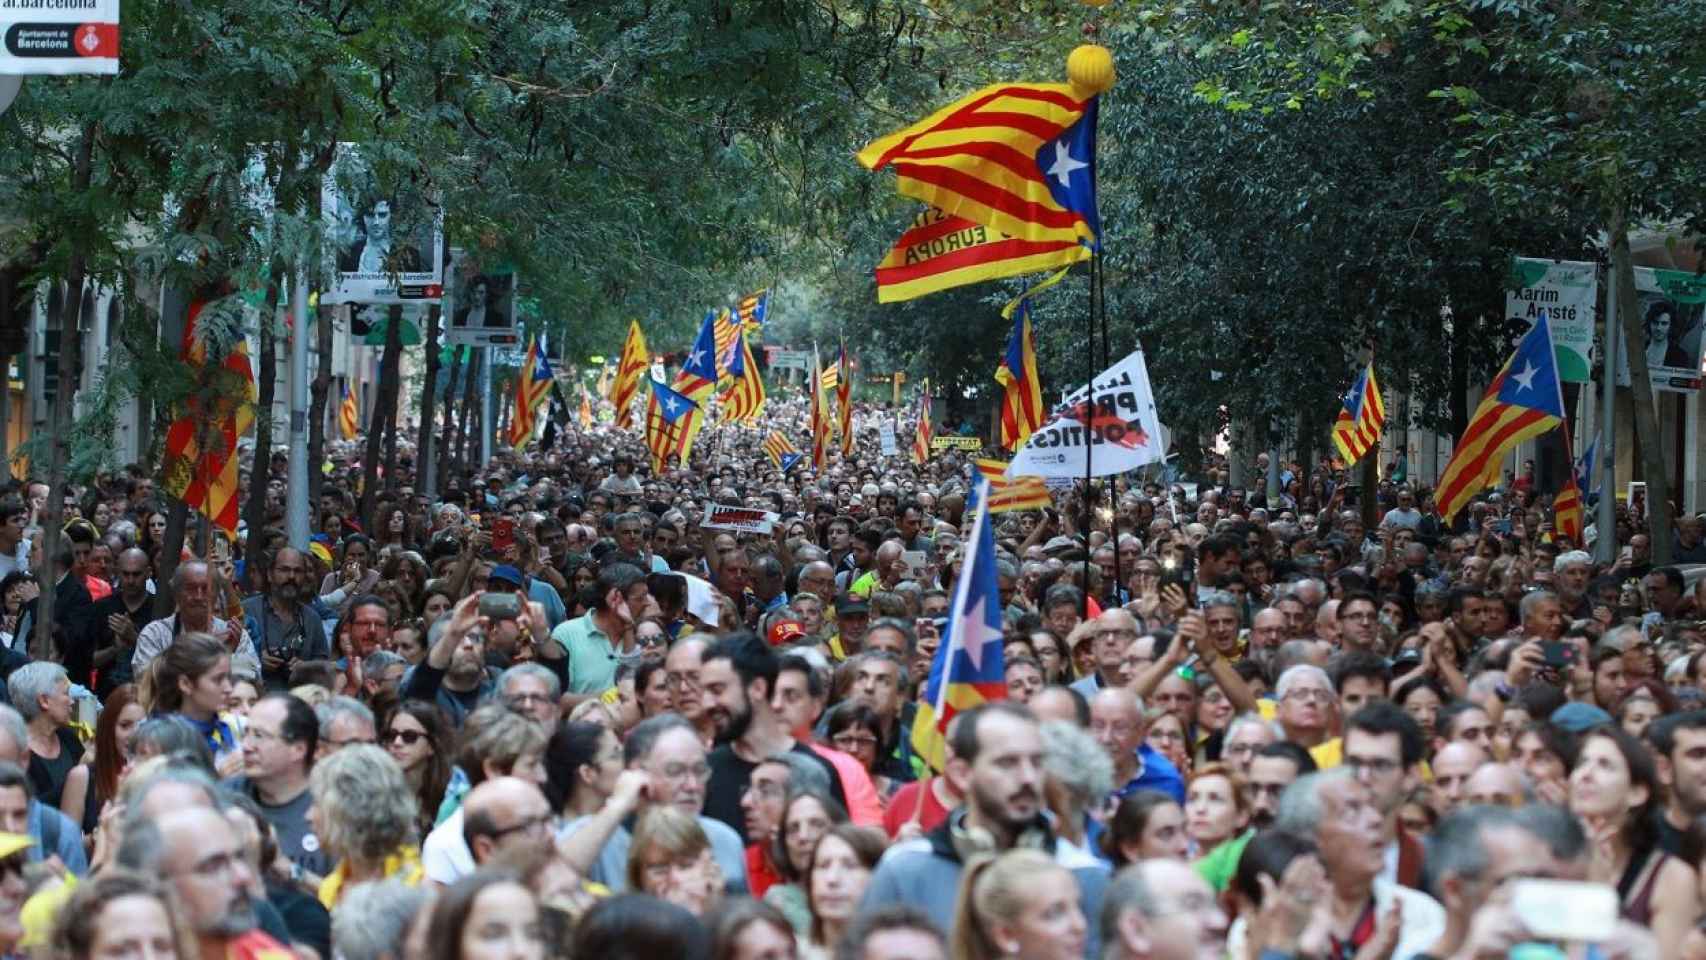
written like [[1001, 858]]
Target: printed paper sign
[[739, 519], [386, 247], [885, 436], [1118, 431], [1569, 292]]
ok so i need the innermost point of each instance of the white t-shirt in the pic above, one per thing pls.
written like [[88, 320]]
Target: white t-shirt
[[445, 857]]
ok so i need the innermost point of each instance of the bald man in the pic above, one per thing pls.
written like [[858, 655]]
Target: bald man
[[504, 813], [1452, 767], [1267, 631], [1496, 785], [1112, 634], [1327, 622]]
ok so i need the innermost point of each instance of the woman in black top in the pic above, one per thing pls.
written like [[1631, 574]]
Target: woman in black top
[[41, 692]]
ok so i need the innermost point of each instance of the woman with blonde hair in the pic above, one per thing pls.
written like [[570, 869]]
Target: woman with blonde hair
[[365, 815], [1018, 904], [116, 907], [671, 859]]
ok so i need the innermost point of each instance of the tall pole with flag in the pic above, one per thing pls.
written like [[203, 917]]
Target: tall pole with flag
[[844, 401], [968, 668], [820, 415]]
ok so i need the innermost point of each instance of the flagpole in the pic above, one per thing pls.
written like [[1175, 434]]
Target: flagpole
[[1090, 436], [1113, 487], [1605, 512]]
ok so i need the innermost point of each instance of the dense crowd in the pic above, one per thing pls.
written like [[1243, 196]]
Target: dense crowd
[[547, 713]]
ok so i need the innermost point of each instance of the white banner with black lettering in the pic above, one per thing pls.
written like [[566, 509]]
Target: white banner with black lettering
[[1121, 425]]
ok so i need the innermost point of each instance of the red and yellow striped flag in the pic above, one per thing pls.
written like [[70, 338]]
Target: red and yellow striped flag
[[940, 252], [633, 365], [820, 415], [349, 415], [205, 478], [1018, 493], [922, 436], [844, 397], [744, 400]]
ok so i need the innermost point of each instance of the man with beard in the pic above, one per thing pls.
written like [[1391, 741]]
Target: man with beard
[[1679, 747], [996, 762], [737, 678], [283, 627], [198, 851], [454, 674], [1273, 768], [116, 621]]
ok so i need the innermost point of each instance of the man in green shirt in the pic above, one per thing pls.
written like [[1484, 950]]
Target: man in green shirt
[[597, 640]]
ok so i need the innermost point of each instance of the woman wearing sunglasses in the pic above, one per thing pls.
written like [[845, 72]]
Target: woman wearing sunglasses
[[417, 737]]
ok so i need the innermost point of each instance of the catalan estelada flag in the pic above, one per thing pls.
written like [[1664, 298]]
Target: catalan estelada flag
[[939, 252], [754, 311], [699, 373], [349, 415], [629, 370], [1523, 401], [532, 388], [1018, 158], [1009, 494], [1567, 511], [968, 668], [744, 399], [781, 451], [1022, 410], [922, 436], [669, 416], [201, 445], [1361, 419], [723, 331], [844, 401]]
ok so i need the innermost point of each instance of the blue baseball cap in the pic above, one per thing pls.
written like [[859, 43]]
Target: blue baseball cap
[[506, 573]]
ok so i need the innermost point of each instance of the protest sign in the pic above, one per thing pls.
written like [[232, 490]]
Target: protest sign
[[885, 437], [1569, 293], [738, 519], [1120, 431]]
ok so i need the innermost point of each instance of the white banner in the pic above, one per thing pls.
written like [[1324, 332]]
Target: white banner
[[58, 36], [885, 437], [738, 519], [385, 248], [1569, 293], [1123, 428]]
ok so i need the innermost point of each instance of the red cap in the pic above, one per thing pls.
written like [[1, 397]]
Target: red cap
[[784, 632]]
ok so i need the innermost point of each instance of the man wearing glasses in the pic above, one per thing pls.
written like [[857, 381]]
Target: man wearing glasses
[[1359, 623], [1116, 631], [504, 813], [279, 744], [1382, 746]]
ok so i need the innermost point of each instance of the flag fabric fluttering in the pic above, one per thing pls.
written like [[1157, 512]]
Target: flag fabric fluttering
[[698, 375], [968, 668], [925, 432], [1022, 410], [744, 399], [940, 252], [1009, 494], [1018, 158], [1523, 401], [844, 402], [585, 412], [820, 414], [532, 387], [630, 369], [830, 379], [201, 470], [781, 451], [349, 415], [1361, 419], [669, 415], [1587, 470], [1567, 510], [754, 311], [725, 329]]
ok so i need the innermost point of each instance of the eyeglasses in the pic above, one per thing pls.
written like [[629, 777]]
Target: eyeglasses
[[1379, 766], [523, 699], [681, 771], [262, 736], [1308, 696], [351, 742], [848, 742], [530, 825], [651, 640], [409, 737]]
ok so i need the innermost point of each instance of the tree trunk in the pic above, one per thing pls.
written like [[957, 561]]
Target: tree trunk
[[317, 392], [1641, 387], [266, 385], [429, 405], [465, 428], [384, 412], [447, 446], [70, 342], [177, 519]]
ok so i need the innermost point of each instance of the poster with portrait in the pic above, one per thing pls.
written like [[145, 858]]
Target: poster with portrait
[[1670, 310], [386, 246], [481, 303]]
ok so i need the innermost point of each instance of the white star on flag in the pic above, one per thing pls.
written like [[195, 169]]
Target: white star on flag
[[1526, 377], [669, 406], [696, 358], [977, 633], [1064, 165]]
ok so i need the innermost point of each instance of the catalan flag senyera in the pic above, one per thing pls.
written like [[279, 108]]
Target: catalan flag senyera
[[830, 378], [1567, 510], [632, 366], [967, 669], [924, 433], [1018, 158], [744, 399], [844, 402], [201, 444], [940, 252], [1523, 401], [1361, 419], [1009, 494], [819, 415], [349, 415]]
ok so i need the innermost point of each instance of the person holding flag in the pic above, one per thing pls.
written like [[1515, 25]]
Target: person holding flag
[[990, 750]]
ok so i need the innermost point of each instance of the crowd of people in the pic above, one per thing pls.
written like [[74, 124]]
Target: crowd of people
[[548, 712]]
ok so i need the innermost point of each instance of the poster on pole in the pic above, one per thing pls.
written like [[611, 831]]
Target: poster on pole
[[1568, 291], [58, 37], [1670, 307], [1120, 429], [386, 246], [482, 304]]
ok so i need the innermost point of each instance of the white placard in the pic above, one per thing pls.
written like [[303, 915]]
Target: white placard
[[58, 37], [738, 519]]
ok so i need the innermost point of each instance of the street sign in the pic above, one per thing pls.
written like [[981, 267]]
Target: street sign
[[58, 38]]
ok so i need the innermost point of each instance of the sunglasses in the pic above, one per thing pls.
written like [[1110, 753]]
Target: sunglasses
[[409, 737]]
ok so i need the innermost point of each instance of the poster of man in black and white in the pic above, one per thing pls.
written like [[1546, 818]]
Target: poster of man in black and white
[[481, 303], [388, 247]]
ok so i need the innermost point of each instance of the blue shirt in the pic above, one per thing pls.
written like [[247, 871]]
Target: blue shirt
[[68, 844], [1156, 773]]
